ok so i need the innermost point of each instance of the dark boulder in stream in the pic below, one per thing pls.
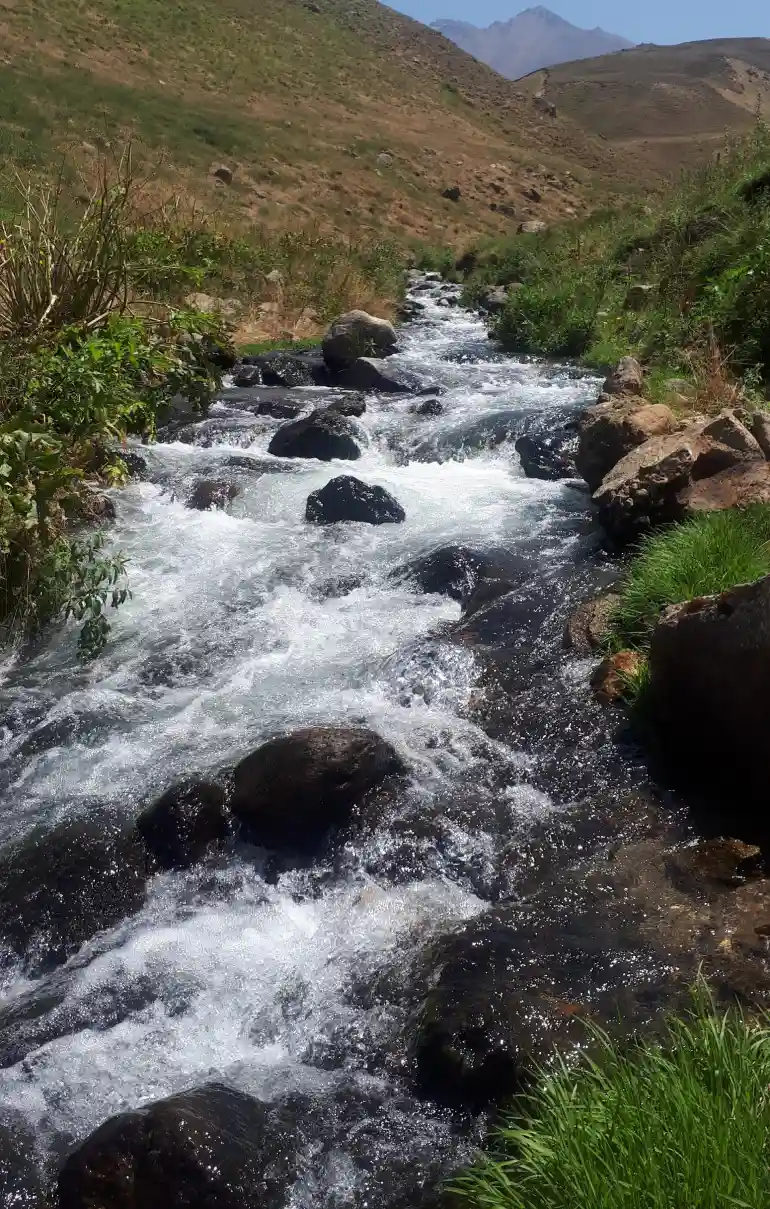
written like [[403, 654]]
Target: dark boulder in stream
[[455, 571], [206, 494], [291, 792], [59, 887], [292, 369], [325, 435], [184, 824], [348, 499], [549, 457], [213, 1146], [371, 374]]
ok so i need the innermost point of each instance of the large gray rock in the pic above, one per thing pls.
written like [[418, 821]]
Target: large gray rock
[[710, 688], [293, 791], [355, 335], [626, 379], [609, 431], [662, 480]]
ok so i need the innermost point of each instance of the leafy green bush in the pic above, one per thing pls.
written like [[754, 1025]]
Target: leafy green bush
[[675, 1126], [555, 322], [702, 557]]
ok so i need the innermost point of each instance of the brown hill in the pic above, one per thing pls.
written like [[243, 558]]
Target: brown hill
[[535, 38], [668, 105], [341, 112]]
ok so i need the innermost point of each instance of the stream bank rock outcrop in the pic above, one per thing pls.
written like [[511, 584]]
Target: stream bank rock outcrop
[[710, 689], [645, 468]]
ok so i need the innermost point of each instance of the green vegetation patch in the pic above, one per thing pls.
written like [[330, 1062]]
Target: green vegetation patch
[[677, 1126], [658, 281], [702, 557]]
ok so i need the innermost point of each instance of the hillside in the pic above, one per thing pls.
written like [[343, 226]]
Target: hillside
[[669, 104], [535, 38], [339, 112]]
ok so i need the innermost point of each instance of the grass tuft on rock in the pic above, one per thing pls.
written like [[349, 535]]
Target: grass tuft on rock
[[702, 557], [674, 1126]]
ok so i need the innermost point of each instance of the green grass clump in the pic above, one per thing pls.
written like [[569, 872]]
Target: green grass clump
[[683, 1125], [702, 557]]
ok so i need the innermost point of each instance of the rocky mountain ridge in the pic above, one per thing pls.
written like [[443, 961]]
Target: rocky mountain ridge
[[533, 39]]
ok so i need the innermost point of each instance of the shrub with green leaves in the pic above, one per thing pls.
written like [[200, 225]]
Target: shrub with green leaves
[[702, 557], [679, 1125]]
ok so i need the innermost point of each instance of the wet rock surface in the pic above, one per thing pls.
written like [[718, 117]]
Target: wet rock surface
[[324, 435], [292, 792], [348, 499], [184, 824], [209, 1146], [60, 886]]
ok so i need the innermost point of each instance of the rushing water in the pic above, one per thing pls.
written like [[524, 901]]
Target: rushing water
[[232, 636]]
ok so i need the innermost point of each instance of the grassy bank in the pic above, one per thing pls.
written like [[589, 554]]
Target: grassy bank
[[271, 287], [674, 1126], [108, 311], [663, 281]]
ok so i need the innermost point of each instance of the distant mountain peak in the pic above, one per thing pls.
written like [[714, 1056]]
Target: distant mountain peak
[[536, 38]]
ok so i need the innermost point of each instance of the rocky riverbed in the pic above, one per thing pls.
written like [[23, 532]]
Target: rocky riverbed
[[333, 842]]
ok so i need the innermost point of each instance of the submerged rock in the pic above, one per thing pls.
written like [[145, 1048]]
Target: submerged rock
[[518, 983], [59, 887], [431, 407], [324, 435], [615, 676], [210, 493], [213, 1146], [21, 1186], [357, 334], [348, 499], [589, 625], [292, 369], [453, 571], [293, 791], [549, 457], [184, 824]]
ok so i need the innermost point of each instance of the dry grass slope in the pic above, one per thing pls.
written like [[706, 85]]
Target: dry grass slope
[[666, 105], [342, 112]]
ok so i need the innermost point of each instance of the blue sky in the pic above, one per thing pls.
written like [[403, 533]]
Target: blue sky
[[641, 21]]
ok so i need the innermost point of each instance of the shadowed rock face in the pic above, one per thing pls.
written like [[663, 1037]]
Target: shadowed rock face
[[710, 691]]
